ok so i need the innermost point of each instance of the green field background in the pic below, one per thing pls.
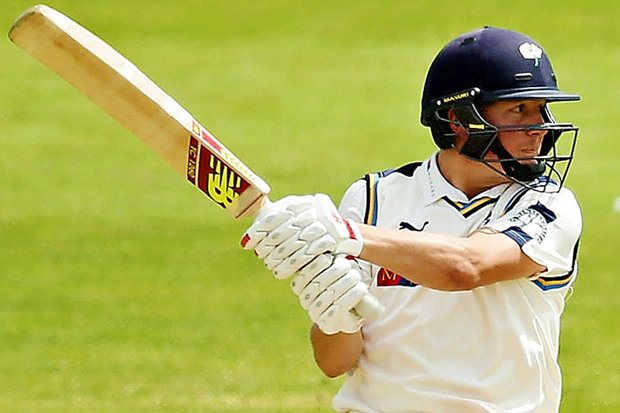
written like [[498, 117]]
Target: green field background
[[122, 289]]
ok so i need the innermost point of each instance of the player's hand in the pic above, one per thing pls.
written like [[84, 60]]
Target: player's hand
[[289, 233], [329, 287]]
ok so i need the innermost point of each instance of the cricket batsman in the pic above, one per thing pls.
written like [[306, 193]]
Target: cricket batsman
[[471, 251]]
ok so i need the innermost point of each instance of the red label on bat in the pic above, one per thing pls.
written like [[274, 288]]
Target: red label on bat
[[214, 177]]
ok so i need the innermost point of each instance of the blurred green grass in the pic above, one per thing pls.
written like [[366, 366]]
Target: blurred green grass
[[122, 289]]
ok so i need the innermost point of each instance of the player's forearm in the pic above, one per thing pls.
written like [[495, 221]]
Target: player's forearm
[[436, 261], [335, 354]]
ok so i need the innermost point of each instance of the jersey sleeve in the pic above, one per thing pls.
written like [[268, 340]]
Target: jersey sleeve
[[353, 207], [353, 203], [547, 228]]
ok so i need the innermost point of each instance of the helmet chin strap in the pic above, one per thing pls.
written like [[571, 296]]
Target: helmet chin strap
[[514, 169]]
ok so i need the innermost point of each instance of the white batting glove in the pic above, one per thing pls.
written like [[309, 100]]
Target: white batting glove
[[329, 288], [296, 229]]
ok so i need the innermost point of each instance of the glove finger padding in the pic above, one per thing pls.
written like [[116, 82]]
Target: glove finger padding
[[336, 273], [292, 264], [274, 215], [329, 288], [262, 249], [295, 262], [261, 227], [282, 232], [312, 231], [271, 240], [310, 271], [286, 249], [290, 233], [345, 303], [325, 243], [348, 323], [303, 256], [275, 257], [305, 218], [328, 297], [340, 316], [272, 262]]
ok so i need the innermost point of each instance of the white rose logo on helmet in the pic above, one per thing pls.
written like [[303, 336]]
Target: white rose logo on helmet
[[531, 51]]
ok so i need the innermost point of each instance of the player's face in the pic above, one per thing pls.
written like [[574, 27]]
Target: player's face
[[517, 113]]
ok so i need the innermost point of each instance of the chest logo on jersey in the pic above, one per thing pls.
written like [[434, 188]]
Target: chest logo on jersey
[[409, 227], [387, 278]]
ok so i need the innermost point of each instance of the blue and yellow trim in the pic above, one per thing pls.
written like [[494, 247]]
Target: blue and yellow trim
[[371, 199], [469, 208], [548, 283], [552, 283], [372, 183]]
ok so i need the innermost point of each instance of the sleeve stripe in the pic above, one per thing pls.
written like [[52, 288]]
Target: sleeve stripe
[[370, 217], [551, 283], [548, 283], [518, 235]]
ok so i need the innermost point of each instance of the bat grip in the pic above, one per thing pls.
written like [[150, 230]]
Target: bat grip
[[369, 308]]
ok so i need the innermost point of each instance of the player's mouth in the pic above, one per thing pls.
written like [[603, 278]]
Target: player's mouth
[[526, 156]]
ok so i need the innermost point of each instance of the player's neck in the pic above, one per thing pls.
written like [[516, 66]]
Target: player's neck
[[467, 175]]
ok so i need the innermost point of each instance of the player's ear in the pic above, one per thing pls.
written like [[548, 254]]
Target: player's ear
[[455, 125], [460, 133]]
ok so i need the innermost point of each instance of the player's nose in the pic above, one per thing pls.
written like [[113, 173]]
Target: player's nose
[[536, 118]]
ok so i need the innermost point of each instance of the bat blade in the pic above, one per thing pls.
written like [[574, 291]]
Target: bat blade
[[118, 87], [129, 96]]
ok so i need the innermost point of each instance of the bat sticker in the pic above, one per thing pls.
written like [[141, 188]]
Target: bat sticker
[[192, 160], [212, 176]]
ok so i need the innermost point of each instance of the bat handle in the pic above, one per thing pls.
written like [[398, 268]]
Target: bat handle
[[369, 308]]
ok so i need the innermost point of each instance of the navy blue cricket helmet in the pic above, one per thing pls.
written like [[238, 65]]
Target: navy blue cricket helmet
[[485, 66]]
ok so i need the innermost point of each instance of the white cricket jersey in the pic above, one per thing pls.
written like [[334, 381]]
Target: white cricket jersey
[[491, 349]]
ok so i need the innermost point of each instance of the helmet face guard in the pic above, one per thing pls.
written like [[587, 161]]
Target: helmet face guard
[[544, 172], [490, 65]]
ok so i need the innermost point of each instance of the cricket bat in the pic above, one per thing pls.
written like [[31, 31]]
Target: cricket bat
[[130, 97]]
